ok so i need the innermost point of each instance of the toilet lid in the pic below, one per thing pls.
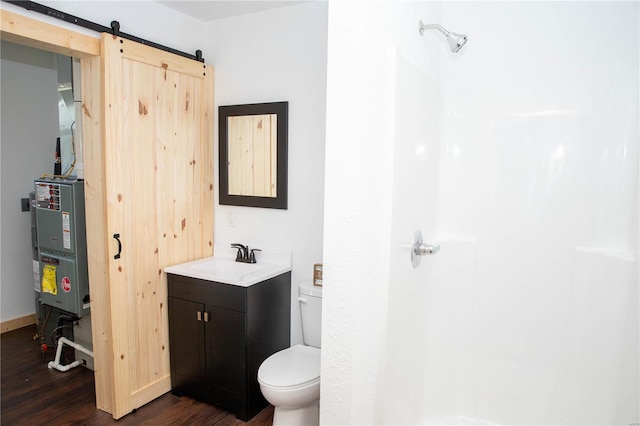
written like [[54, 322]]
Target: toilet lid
[[291, 367]]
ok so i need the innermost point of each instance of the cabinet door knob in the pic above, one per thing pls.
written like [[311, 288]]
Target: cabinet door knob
[[199, 315], [206, 317]]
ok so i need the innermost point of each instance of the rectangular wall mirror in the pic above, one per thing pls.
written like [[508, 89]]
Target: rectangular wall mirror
[[253, 154]]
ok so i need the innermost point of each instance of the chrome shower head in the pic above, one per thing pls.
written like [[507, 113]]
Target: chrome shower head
[[456, 41]]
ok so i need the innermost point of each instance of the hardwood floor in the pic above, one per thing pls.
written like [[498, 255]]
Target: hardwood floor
[[33, 394]]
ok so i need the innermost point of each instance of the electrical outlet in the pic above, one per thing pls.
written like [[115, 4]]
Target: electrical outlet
[[24, 204]]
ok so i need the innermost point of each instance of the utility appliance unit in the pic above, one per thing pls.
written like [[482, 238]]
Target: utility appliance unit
[[62, 246]]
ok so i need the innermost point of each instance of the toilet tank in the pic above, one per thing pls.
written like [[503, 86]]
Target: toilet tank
[[310, 300]]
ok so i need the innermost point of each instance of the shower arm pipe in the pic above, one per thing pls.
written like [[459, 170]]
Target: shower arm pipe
[[438, 27]]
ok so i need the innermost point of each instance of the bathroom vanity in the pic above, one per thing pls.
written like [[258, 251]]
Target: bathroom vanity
[[223, 323]]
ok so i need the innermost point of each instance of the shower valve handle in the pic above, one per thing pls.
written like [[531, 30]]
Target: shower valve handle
[[423, 249], [419, 248]]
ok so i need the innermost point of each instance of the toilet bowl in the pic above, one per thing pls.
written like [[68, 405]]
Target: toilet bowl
[[290, 379]]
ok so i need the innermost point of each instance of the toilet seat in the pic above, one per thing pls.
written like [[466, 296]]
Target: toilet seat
[[294, 367]]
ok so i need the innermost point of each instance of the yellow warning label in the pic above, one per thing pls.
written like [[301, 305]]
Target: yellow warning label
[[49, 284]]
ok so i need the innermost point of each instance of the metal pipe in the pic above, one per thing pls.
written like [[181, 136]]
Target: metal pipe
[[422, 27]]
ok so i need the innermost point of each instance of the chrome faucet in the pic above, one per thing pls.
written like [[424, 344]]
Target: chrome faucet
[[245, 255]]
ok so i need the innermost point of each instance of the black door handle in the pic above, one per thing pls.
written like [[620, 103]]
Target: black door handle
[[117, 237]]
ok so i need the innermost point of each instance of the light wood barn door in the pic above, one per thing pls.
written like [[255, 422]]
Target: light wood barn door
[[158, 187]]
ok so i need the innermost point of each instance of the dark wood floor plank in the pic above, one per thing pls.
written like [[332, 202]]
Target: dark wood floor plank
[[33, 394]]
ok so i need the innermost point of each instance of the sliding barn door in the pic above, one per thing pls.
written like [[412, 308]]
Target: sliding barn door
[[157, 154]]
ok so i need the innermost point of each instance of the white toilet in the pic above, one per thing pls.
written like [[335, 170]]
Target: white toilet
[[290, 379]]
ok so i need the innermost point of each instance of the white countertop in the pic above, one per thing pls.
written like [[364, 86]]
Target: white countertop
[[222, 267]]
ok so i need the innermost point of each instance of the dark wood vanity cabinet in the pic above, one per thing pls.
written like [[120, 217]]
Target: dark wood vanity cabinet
[[219, 335]]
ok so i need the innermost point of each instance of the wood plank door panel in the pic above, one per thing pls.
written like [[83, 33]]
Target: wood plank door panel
[[158, 189]]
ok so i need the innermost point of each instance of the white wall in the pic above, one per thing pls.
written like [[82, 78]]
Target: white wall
[[29, 118], [278, 55]]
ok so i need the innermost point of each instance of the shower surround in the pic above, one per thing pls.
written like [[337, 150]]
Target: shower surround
[[519, 155]]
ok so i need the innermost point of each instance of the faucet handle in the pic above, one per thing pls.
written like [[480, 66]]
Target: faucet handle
[[241, 250], [252, 256], [238, 254]]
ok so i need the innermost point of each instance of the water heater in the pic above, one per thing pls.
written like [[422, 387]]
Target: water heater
[[62, 244]]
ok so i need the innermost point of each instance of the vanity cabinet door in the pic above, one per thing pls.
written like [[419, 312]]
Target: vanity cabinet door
[[226, 355], [186, 334]]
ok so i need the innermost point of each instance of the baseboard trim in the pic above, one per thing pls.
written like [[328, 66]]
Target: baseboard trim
[[16, 323]]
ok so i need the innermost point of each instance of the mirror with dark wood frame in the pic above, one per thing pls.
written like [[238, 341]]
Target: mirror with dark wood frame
[[253, 154]]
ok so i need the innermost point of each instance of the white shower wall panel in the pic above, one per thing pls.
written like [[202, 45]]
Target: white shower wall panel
[[598, 380], [416, 121], [447, 364], [520, 156], [539, 157]]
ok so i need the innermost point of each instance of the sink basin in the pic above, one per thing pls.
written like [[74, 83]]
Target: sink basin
[[228, 271], [227, 268]]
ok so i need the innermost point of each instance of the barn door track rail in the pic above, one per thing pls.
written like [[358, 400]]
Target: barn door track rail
[[113, 29]]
